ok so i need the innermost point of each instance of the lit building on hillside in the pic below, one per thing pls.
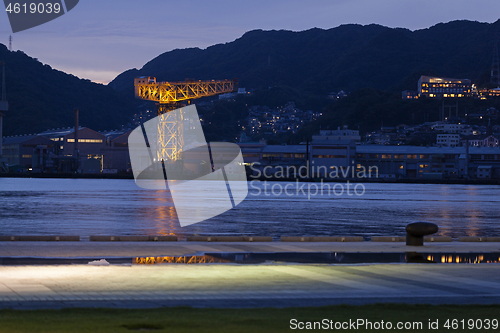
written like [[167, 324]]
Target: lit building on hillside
[[463, 129], [436, 87], [485, 93], [339, 134], [485, 140], [409, 94], [448, 140]]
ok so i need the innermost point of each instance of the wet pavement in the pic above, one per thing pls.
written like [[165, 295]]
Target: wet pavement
[[229, 284]]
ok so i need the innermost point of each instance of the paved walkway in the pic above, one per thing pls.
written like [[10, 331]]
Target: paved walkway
[[144, 249], [23, 287], [231, 285]]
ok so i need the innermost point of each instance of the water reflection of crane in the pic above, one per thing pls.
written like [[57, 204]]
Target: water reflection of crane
[[170, 96]]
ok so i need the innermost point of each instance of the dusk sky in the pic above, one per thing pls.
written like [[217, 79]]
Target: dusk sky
[[99, 39]]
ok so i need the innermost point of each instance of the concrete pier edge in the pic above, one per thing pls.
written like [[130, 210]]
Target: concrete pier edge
[[172, 238]]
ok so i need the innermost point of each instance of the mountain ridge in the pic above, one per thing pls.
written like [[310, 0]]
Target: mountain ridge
[[304, 66], [41, 98], [318, 61]]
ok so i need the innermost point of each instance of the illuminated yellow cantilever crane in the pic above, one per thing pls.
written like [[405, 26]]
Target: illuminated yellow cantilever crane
[[168, 96]]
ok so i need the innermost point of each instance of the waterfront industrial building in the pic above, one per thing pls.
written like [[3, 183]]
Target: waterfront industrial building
[[326, 152], [27, 152], [429, 162], [107, 152], [54, 151], [411, 162]]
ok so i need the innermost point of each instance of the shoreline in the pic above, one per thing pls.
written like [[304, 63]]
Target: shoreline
[[250, 179]]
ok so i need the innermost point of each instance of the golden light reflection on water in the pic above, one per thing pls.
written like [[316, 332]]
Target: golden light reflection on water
[[474, 221], [430, 258], [163, 214], [471, 190], [443, 211], [464, 211], [446, 216], [462, 259], [179, 260]]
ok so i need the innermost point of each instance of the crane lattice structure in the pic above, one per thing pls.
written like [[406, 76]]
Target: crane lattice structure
[[169, 96]]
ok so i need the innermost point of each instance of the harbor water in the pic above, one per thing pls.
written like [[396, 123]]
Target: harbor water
[[87, 207]]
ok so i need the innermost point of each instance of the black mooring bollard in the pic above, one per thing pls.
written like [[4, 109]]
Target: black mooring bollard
[[416, 231]]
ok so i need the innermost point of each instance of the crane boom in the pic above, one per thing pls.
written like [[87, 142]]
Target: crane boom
[[168, 96], [172, 92]]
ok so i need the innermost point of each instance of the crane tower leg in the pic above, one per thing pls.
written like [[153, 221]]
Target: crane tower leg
[[170, 132]]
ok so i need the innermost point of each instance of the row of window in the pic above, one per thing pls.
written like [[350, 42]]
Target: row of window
[[446, 85], [382, 156], [483, 157], [447, 95], [391, 156], [446, 156], [330, 156], [329, 147], [285, 155], [446, 90], [294, 155], [426, 166], [79, 140], [408, 156], [86, 140]]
